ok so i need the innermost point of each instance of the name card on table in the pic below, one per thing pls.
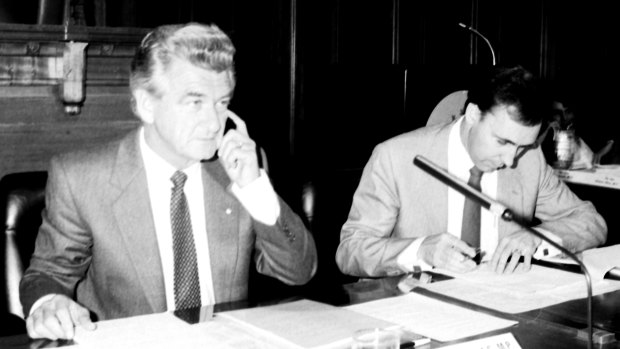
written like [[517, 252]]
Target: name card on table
[[501, 341]]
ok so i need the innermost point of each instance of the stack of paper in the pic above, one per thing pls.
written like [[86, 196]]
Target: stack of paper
[[432, 318], [164, 330], [518, 292], [306, 324]]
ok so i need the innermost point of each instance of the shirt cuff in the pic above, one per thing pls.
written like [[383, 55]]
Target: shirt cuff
[[408, 258], [259, 199], [40, 301], [546, 250]]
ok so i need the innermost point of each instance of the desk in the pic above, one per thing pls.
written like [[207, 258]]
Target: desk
[[546, 328], [605, 176], [553, 327], [601, 187]]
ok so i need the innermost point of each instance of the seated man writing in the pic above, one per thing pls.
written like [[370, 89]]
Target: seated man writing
[[402, 218]]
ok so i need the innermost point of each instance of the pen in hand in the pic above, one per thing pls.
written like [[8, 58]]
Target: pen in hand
[[477, 258]]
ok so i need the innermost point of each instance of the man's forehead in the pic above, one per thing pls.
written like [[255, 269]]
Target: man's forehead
[[504, 125]]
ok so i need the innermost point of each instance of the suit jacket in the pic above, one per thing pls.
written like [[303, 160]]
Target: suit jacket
[[397, 202], [97, 242]]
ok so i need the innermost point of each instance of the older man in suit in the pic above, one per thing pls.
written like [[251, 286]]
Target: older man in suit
[[171, 215], [402, 218]]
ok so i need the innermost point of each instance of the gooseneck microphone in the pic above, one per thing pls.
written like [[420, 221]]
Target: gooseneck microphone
[[483, 38], [506, 214]]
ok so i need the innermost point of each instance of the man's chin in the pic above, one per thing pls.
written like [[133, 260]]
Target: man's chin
[[206, 152], [209, 156]]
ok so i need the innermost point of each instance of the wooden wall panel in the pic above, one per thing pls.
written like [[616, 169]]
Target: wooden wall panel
[[33, 122], [34, 128]]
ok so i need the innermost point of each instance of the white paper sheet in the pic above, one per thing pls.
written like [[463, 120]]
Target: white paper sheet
[[516, 293], [164, 330], [432, 318], [598, 261], [305, 323], [601, 260]]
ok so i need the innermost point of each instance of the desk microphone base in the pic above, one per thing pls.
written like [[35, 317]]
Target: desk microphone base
[[599, 337]]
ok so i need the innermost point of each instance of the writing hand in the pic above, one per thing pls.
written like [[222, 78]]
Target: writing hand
[[57, 318], [510, 249], [238, 153], [448, 252]]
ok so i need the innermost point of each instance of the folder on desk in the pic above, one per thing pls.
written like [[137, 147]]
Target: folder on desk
[[306, 323]]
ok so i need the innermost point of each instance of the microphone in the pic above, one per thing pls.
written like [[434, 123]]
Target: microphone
[[483, 38], [506, 214]]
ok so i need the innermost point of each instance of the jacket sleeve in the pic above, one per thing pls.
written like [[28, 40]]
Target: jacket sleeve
[[367, 245], [561, 212], [286, 250], [62, 249]]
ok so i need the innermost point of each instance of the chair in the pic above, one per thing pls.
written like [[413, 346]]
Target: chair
[[21, 202], [449, 108]]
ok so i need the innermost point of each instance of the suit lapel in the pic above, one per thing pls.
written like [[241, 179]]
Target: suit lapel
[[132, 211], [438, 152], [509, 189], [222, 221]]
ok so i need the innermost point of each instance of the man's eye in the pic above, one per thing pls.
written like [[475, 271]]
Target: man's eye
[[194, 103]]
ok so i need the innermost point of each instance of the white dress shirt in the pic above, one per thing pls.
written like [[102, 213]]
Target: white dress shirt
[[158, 174], [459, 164], [258, 198]]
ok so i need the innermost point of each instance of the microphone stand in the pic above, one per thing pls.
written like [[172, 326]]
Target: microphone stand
[[483, 38], [506, 214]]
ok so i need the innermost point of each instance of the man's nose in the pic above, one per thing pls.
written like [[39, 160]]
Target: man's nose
[[509, 155], [210, 118]]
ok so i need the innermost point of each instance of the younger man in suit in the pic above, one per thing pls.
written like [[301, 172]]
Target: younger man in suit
[[114, 219], [402, 218]]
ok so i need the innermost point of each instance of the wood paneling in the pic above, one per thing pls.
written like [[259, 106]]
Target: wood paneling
[[33, 123], [35, 127]]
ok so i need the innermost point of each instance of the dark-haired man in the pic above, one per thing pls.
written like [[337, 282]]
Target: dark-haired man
[[402, 218]]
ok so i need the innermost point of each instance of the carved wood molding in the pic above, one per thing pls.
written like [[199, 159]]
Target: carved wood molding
[[27, 32], [33, 54]]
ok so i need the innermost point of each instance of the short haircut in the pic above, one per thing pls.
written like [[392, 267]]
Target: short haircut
[[204, 46], [511, 86]]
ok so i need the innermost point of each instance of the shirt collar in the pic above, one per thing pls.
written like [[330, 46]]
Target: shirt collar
[[158, 167], [456, 147]]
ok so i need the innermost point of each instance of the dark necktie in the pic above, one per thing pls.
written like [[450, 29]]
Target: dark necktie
[[186, 282], [470, 232]]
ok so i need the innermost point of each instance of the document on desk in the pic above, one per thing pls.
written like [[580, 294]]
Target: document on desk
[[431, 317], [164, 330], [518, 292], [599, 261], [305, 323]]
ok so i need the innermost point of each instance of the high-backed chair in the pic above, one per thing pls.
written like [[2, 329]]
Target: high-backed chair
[[449, 108], [22, 198]]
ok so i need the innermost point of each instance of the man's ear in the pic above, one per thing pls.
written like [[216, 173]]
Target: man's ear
[[472, 113], [144, 105]]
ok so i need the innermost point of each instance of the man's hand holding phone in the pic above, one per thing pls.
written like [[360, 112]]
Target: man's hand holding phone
[[237, 153]]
